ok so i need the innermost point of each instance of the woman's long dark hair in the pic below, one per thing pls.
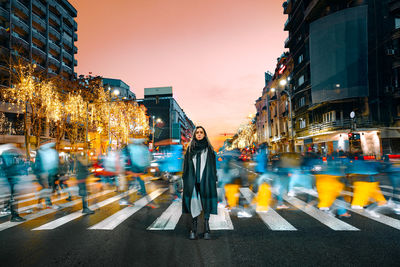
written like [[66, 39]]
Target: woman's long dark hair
[[193, 141]]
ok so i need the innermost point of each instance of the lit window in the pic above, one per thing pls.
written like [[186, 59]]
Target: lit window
[[302, 101], [396, 23], [300, 58], [302, 123], [301, 80]]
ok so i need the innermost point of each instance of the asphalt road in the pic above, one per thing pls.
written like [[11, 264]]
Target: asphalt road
[[251, 242]]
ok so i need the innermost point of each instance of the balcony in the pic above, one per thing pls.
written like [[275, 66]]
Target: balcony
[[39, 20], [21, 6], [54, 46], [4, 13], [54, 18], [75, 37], [325, 127], [40, 6], [20, 23], [288, 6], [67, 28], [75, 63], [394, 6], [20, 39], [67, 55], [38, 51], [38, 35], [53, 60], [75, 49], [54, 32]]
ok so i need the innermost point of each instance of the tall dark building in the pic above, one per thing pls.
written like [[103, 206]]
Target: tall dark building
[[344, 55], [171, 124], [38, 31]]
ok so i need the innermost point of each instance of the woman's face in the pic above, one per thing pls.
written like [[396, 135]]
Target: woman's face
[[199, 134]]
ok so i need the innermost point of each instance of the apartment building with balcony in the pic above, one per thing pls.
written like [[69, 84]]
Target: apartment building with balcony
[[273, 117], [43, 32], [342, 65]]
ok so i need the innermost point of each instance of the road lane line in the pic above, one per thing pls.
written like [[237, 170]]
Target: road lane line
[[6, 225], [169, 218], [389, 221], [75, 215], [117, 218], [328, 220], [271, 218], [221, 221]]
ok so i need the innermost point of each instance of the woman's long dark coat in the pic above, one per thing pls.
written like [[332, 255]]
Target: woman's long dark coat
[[208, 187]]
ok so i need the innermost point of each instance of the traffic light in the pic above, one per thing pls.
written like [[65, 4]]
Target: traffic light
[[354, 136]]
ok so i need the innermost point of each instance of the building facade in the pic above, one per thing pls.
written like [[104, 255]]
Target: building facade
[[343, 79], [120, 88], [274, 117], [171, 124], [41, 32]]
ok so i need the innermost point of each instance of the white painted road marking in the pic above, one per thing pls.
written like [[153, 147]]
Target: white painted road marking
[[75, 215], [169, 218], [321, 216], [117, 218], [6, 225], [271, 218]]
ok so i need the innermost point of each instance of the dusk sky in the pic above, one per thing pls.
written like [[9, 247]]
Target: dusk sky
[[212, 52]]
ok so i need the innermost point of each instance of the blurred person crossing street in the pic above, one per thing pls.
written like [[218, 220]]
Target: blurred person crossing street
[[13, 167], [46, 170], [82, 174]]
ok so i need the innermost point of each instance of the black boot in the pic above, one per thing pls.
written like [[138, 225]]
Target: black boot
[[85, 209], [193, 232], [207, 232]]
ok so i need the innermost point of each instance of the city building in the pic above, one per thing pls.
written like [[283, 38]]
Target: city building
[[262, 116], [171, 124], [38, 31], [273, 117], [42, 32], [119, 88], [344, 75]]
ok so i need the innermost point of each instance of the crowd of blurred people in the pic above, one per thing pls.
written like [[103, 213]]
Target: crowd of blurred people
[[333, 183], [51, 173]]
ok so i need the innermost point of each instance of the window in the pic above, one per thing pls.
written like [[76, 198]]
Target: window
[[300, 58], [396, 23], [302, 123], [302, 101], [301, 80], [329, 116]]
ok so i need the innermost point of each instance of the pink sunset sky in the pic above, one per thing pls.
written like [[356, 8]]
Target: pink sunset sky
[[212, 52]]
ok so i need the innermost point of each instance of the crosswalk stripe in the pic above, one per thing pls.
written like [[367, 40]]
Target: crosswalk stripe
[[169, 218], [271, 218], [6, 225], [6, 197], [117, 218], [382, 218], [24, 208], [70, 217], [321, 216], [221, 221]]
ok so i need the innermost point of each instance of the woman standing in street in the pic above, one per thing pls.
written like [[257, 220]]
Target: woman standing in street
[[199, 181]]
